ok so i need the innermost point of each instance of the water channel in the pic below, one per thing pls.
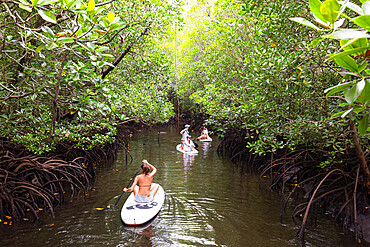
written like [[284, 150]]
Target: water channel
[[209, 202]]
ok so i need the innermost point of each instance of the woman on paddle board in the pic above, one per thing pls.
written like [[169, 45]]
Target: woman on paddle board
[[188, 144], [184, 133], [204, 133], [145, 193]]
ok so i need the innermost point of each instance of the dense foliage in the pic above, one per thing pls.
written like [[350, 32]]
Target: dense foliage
[[247, 65], [72, 70], [295, 95]]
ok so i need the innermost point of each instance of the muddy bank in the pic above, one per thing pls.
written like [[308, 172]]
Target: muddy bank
[[336, 190]]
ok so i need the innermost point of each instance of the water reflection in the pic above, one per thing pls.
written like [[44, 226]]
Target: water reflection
[[187, 161], [205, 146], [144, 229], [143, 233]]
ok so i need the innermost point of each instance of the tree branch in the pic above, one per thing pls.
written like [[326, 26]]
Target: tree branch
[[125, 52]]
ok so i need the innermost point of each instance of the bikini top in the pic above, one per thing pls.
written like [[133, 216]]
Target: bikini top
[[146, 185]]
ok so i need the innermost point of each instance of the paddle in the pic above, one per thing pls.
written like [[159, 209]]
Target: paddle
[[129, 184], [195, 144]]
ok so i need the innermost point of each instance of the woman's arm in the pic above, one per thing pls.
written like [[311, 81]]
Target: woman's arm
[[132, 186], [154, 170]]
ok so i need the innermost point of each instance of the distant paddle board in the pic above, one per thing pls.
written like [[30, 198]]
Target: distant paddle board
[[138, 213], [178, 148], [209, 139]]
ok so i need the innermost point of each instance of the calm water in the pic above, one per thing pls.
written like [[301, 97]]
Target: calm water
[[209, 202]]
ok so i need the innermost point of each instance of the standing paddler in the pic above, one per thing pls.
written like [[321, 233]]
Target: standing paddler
[[184, 133]]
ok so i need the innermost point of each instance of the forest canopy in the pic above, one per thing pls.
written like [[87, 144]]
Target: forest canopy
[[72, 70]]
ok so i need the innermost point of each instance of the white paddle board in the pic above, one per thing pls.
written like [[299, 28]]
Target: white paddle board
[[209, 139], [137, 213], [178, 148]]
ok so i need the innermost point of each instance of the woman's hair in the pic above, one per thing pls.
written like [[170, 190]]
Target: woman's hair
[[145, 168]]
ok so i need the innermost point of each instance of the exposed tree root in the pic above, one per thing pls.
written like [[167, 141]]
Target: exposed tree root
[[30, 183], [339, 190]]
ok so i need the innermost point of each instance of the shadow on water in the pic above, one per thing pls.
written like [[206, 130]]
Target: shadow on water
[[209, 202]]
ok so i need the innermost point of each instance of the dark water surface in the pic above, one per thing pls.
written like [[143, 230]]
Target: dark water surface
[[209, 202]]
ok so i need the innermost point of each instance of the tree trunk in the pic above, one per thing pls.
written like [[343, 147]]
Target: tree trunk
[[359, 152], [52, 125]]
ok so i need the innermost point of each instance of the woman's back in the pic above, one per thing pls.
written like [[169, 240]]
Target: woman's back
[[145, 181]]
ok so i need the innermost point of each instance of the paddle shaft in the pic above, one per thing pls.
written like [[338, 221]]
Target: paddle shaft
[[195, 144], [129, 184]]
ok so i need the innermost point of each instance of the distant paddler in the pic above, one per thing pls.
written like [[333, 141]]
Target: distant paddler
[[203, 134], [189, 144], [184, 133]]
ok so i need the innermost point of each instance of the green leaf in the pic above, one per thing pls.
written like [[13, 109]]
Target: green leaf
[[337, 114], [355, 8], [25, 7], [315, 6], [363, 125], [66, 40], [366, 8], [103, 48], [349, 52], [107, 55], [363, 21], [346, 113], [304, 22], [25, 2], [365, 94], [91, 46], [348, 34], [352, 94], [34, 2], [40, 48], [91, 5], [73, 3], [47, 29], [111, 17], [362, 67], [339, 87], [317, 41], [347, 62], [106, 22], [47, 16], [330, 10], [357, 109], [51, 46], [353, 44], [46, 2], [339, 23], [115, 26]]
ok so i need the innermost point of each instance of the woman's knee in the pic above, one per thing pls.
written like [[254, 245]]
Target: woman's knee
[[155, 189]]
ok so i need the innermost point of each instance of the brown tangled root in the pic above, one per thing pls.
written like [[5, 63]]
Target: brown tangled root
[[338, 189], [31, 183], [34, 183]]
